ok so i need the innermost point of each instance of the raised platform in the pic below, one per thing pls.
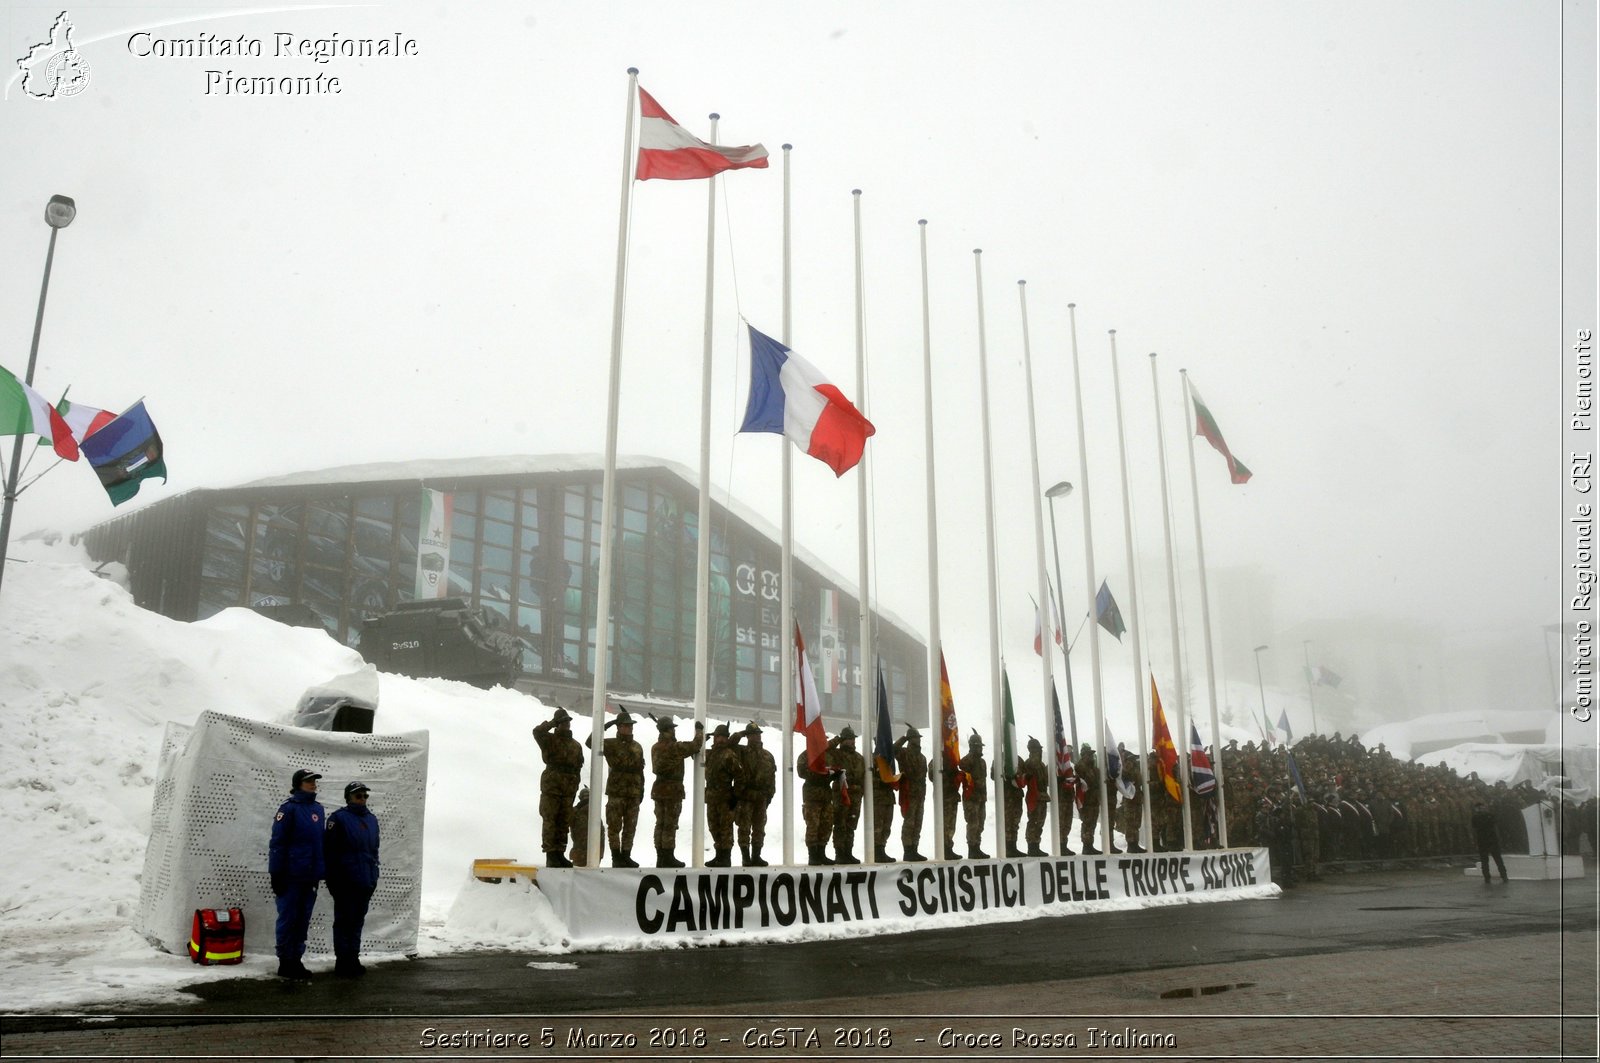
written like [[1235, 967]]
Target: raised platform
[[1534, 868], [696, 905]]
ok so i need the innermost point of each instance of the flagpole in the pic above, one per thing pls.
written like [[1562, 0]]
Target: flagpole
[[868, 685], [1311, 692], [1181, 713], [787, 621], [1046, 637], [1088, 582], [1133, 604], [1205, 623], [995, 707], [608, 483], [935, 683], [702, 590]]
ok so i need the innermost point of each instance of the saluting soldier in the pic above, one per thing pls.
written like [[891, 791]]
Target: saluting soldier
[[1131, 811], [976, 797], [666, 793], [816, 804], [849, 789], [1089, 782], [724, 776], [1034, 777], [558, 785], [913, 790], [755, 794], [624, 787]]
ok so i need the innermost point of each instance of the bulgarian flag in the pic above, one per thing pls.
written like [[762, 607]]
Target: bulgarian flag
[[24, 412], [1206, 425]]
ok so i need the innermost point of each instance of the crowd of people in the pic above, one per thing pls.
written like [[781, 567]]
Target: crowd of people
[[1328, 800]]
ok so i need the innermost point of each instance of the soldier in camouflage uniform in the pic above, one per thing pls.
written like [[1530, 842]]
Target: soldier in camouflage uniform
[[1307, 828], [580, 831], [760, 782], [558, 785], [1011, 792], [976, 797], [816, 804], [1093, 790], [849, 790], [883, 795], [913, 792], [1034, 775], [1066, 801], [724, 778], [624, 788], [666, 761], [1130, 814]]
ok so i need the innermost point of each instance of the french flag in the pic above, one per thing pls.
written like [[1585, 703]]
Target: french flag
[[669, 152], [788, 396]]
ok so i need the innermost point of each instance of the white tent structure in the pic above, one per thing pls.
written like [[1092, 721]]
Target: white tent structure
[[1548, 749]]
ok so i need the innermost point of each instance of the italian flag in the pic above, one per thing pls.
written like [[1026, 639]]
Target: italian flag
[[1206, 425], [83, 421], [24, 412]]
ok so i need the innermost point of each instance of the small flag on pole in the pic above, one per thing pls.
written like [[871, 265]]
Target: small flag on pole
[[1283, 725], [1064, 769], [669, 152], [126, 452], [789, 397], [949, 733], [808, 708], [83, 420], [1200, 764], [1008, 733], [1294, 773], [1161, 738], [883, 741], [1107, 613], [24, 412], [1321, 676], [1206, 425]]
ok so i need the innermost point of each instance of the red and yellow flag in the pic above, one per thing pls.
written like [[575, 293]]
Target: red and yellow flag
[[949, 735], [1161, 738]]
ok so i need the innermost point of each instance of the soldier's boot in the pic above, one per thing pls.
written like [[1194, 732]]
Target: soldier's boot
[[842, 854], [815, 857], [913, 857], [1090, 850], [881, 855], [1066, 850], [755, 857], [721, 859], [623, 859], [1012, 851], [1135, 847], [950, 852], [976, 853], [744, 855], [1034, 850], [556, 859], [667, 858]]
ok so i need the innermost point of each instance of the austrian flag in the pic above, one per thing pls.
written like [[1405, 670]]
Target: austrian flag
[[669, 152]]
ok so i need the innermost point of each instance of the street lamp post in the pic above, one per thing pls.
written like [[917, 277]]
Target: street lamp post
[[1262, 687], [1062, 490], [58, 214]]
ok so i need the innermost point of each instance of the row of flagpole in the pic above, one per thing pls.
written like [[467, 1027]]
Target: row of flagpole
[[698, 152]]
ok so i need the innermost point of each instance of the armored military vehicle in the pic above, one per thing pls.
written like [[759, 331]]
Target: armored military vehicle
[[444, 637]]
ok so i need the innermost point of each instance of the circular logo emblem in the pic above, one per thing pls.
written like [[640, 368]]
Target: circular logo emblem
[[66, 73]]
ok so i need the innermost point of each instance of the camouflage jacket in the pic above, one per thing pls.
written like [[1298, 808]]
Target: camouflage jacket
[[624, 767], [666, 760], [760, 775]]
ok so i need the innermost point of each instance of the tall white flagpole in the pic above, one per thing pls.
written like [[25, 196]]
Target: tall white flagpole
[[1088, 582], [1205, 620], [1046, 629], [786, 618], [1180, 739], [935, 680], [702, 590], [996, 705], [869, 670], [608, 482], [1133, 606]]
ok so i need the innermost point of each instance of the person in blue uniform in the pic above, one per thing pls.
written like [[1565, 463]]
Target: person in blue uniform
[[295, 866], [350, 851]]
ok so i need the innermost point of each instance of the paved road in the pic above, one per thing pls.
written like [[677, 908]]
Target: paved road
[[1480, 965]]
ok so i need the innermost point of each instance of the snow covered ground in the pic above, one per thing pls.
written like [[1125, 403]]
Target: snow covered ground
[[88, 682]]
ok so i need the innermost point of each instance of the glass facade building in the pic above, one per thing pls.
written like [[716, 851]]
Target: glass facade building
[[520, 537]]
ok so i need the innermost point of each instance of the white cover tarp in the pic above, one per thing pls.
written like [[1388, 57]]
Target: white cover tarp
[[218, 787]]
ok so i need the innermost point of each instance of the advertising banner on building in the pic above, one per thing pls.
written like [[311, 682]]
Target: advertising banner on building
[[659, 904], [433, 546], [830, 657]]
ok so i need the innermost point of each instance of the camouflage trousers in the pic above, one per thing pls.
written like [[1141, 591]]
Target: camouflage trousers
[[845, 820], [751, 819], [911, 824], [952, 805], [555, 810], [1065, 823], [1013, 821], [622, 819], [882, 815], [972, 809], [1090, 831], [818, 812], [719, 820], [580, 837], [668, 809], [1037, 818]]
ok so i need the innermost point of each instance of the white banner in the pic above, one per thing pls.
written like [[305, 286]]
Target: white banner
[[665, 905], [433, 545]]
